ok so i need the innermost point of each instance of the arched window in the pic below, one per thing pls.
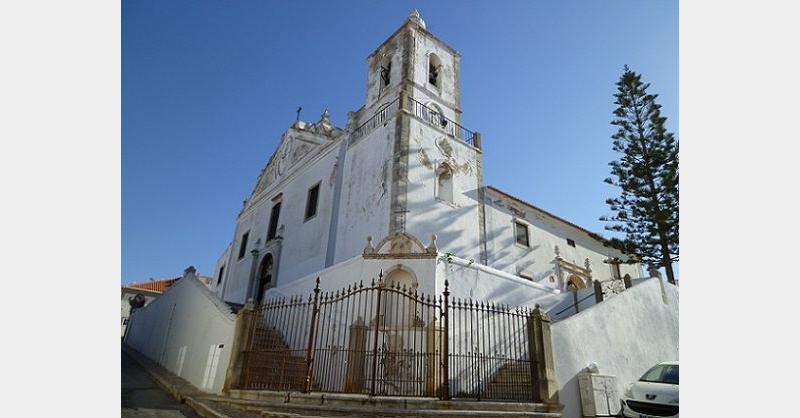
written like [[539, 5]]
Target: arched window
[[434, 65], [444, 183]]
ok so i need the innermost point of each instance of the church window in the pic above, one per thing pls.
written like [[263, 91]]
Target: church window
[[521, 232], [571, 243], [445, 183], [311, 202], [243, 245], [434, 65], [219, 278], [273, 221]]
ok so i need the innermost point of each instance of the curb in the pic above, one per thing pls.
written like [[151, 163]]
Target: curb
[[198, 406]]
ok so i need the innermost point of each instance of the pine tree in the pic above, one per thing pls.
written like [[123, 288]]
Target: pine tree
[[646, 211]]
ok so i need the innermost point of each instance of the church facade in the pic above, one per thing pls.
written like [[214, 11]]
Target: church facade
[[399, 191]]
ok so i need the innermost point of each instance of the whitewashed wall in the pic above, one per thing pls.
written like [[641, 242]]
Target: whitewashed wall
[[455, 224], [625, 335], [304, 243], [127, 293], [481, 283], [216, 284], [447, 94], [354, 270], [545, 233], [366, 192], [188, 331]]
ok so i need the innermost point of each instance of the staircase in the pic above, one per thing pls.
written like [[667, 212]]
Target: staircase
[[272, 365], [512, 382]]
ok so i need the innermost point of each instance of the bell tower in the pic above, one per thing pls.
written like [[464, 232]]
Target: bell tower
[[411, 167], [414, 60]]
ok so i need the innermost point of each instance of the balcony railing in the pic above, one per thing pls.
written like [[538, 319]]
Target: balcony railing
[[425, 113], [442, 122], [379, 118]]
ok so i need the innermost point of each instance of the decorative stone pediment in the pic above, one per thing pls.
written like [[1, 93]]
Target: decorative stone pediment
[[400, 244], [299, 141]]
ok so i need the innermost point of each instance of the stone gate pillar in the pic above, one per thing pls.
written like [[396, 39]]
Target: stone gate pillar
[[540, 350], [242, 337]]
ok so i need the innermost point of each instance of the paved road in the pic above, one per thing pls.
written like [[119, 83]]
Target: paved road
[[143, 398]]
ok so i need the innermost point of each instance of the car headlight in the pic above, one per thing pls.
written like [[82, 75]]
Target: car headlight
[[628, 391]]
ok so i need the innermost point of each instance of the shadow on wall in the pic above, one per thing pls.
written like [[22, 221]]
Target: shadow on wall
[[502, 251], [447, 235]]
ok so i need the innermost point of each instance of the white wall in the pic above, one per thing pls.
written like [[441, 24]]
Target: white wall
[[455, 224], [482, 283], [624, 335], [366, 192], [217, 285], [305, 242], [182, 330], [448, 91], [545, 233], [129, 292], [355, 270]]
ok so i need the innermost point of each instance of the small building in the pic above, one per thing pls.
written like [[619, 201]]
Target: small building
[[147, 291]]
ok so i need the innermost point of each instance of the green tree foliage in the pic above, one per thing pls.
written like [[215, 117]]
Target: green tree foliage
[[646, 211]]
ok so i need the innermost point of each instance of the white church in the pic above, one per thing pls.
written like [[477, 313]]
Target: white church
[[479, 295], [400, 190]]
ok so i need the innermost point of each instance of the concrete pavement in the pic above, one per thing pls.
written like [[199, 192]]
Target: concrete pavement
[[143, 398]]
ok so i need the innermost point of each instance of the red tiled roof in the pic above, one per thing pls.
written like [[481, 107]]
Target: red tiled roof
[[155, 285]]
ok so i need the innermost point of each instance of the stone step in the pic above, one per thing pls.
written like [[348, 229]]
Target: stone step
[[282, 409], [364, 405]]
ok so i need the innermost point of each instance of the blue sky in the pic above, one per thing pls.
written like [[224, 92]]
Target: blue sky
[[209, 86]]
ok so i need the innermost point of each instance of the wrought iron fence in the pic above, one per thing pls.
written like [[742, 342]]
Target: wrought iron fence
[[385, 338], [489, 352], [275, 357], [438, 120]]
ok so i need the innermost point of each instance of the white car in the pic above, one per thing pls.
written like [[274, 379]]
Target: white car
[[654, 395]]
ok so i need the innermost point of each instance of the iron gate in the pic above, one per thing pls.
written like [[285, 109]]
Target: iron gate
[[388, 339]]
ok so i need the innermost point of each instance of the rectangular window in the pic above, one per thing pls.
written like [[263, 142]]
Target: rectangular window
[[273, 221], [311, 202], [219, 279], [243, 245], [521, 232], [570, 242]]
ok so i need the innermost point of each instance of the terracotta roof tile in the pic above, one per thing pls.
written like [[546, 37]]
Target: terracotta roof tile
[[155, 285]]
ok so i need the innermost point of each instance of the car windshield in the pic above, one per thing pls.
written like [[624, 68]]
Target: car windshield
[[663, 373]]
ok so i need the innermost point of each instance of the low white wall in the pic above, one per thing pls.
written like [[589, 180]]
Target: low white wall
[[356, 270], [482, 283], [624, 335], [188, 331]]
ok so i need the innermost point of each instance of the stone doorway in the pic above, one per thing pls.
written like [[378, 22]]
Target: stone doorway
[[264, 277]]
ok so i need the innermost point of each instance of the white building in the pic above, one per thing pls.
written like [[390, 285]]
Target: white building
[[343, 203]]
